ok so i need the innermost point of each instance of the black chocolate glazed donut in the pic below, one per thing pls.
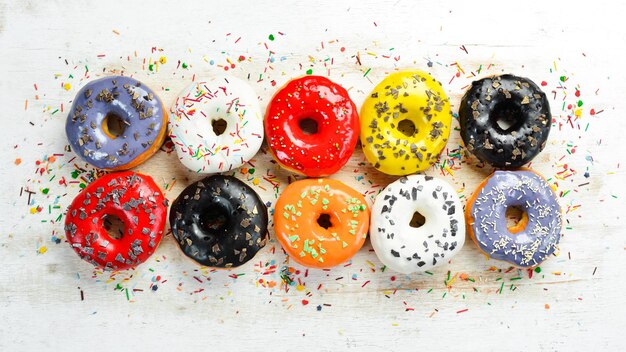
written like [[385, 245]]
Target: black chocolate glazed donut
[[505, 120], [219, 221]]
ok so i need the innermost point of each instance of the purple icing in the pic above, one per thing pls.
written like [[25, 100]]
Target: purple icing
[[131, 101], [525, 190]]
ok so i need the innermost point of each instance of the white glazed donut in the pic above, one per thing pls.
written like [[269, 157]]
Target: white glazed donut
[[406, 249], [205, 101]]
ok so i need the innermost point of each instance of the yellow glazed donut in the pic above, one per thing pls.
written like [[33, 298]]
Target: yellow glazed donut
[[405, 123]]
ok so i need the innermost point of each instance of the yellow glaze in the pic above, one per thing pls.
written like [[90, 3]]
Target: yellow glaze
[[407, 95]]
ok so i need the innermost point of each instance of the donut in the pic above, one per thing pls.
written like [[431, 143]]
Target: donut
[[406, 246], [131, 197], [312, 126], [216, 124], [321, 223], [405, 123], [505, 120], [534, 238], [219, 222], [111, 101]]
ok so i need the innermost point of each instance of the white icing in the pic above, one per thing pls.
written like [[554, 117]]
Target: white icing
[[191, 129], [406, 249]]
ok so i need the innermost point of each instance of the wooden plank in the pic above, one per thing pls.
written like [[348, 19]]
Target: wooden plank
[[49, 298]]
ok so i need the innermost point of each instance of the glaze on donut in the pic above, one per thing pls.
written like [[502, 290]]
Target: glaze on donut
[[133, 198], [302, 233], [219, 222], [325, 151], [538, 234], [131, 102], [412, 98], [199, 145], [516, 101], [408, 249]]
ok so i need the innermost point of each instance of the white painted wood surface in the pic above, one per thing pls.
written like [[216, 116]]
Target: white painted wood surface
[[576, 303]]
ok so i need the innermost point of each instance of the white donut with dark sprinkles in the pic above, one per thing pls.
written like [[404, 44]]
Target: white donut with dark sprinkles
[[408, 249]]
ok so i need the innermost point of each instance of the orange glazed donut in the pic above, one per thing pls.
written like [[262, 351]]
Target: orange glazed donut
[[321, 222]]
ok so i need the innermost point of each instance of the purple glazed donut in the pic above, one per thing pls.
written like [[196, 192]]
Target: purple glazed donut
[[537, 234], [141, 119]]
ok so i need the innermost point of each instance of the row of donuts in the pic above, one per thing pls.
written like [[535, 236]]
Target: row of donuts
[[221, 222], [311, 125]]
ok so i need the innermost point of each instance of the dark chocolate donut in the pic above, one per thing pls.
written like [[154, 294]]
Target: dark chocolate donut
[[219, 221], [505, 120]]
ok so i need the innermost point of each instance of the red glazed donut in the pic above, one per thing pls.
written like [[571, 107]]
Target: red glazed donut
[[136, 200], [327, 108]]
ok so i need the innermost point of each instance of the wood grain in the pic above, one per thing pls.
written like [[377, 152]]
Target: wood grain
[[54, 301]]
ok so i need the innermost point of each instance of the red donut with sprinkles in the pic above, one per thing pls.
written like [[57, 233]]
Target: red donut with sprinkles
[[312, 126], [131, 197]]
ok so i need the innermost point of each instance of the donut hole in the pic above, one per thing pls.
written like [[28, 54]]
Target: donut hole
[[507, 116], [113, 125], [114, 226], [516, 219], [308, 126], [214, 219], [219, 126], [407, 127], [324, 221], [417, 220]]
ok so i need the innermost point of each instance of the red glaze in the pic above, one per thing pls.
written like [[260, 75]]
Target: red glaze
[[330, 106], [136, 200]]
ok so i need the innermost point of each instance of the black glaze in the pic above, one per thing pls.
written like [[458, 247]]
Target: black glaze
[[219, 221], [521, 102]]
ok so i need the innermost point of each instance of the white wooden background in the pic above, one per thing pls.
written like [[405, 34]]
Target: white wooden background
[[50, 299]]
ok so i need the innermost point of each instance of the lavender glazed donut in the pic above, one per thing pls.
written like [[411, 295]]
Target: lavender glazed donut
[[133, 105], [534, 238]]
